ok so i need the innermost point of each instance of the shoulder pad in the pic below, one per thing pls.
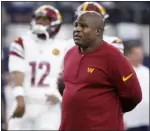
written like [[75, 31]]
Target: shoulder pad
[[113, 40], [17, 48], [19, 41]]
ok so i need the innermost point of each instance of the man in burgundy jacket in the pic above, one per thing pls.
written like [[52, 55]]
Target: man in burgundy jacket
[[100, 83]]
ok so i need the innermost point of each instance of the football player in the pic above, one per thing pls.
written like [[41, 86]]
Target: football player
[[34, 63], [113, 40]]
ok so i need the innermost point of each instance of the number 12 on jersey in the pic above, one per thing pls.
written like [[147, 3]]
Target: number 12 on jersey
[[34, 68]]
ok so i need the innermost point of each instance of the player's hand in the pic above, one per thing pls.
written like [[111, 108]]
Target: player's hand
[[20, 109], [52, 99]]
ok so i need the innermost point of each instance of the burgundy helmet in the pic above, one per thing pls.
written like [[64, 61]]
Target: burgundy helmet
[[92, 6], [53, 14]]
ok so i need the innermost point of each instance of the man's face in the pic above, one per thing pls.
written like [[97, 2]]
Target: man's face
[[84, 32], [43, 20], [136, 56]]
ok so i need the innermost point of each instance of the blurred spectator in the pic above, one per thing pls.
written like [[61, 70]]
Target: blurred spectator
[[19, 11], [138, 119], [146, 59], [119, 11]]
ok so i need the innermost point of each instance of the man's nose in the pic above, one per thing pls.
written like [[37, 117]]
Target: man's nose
[[77, 28]]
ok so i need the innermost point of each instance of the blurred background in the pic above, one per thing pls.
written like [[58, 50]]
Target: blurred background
[[128, 20]]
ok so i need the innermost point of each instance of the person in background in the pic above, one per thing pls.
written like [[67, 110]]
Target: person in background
[[34, 63], [138, 119]]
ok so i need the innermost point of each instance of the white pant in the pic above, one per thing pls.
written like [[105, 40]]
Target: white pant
[[37, 117]]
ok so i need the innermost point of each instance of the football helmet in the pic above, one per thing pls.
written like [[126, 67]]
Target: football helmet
[[55, 17], [92, 6]]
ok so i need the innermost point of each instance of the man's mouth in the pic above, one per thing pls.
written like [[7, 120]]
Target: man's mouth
[[77, 37]]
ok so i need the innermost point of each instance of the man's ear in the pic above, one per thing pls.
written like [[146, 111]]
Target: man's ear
[[99, 31]]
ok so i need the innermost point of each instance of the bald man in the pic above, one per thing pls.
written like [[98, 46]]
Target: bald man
[[100, 84], [92, 33]]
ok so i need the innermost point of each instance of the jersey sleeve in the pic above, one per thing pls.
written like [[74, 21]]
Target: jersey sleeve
[[17, 56]]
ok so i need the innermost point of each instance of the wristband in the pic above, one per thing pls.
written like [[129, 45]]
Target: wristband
[[18, 91]]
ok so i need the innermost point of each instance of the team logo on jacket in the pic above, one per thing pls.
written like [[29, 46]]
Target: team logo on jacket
[[125, 78], [90, 70], [56, 52]]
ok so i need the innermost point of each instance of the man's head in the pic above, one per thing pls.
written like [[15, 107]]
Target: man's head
[[92, 6], [88, 29], [134, 53], [46, 21]]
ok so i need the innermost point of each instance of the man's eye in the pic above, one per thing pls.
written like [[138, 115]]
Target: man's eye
[[83, 25], [75, 24]]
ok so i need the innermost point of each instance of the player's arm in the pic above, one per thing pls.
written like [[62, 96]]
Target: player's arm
[[16, 69], [61, 85], [125, 80]]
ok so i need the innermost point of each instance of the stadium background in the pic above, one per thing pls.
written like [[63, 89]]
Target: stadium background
[[128, 20]]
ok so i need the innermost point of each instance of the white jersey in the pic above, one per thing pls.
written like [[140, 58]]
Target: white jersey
[[115, 41], [40, 61]]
